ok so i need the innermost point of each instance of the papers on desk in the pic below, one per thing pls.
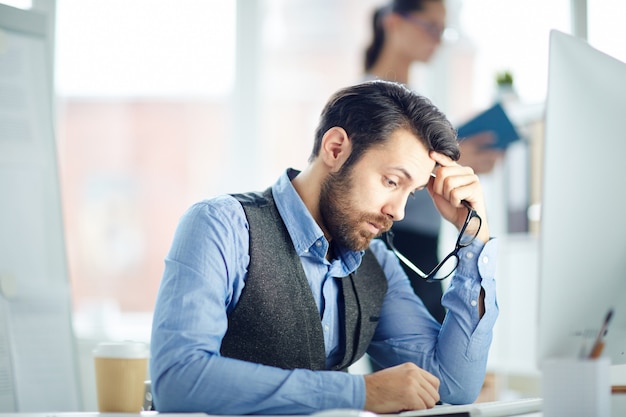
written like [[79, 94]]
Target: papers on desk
[[487, 409]]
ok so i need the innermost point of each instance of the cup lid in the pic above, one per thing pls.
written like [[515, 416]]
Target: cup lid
[[125, 349]]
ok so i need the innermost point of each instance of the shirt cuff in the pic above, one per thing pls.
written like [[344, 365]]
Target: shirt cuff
[[479, 260], [477, 268]]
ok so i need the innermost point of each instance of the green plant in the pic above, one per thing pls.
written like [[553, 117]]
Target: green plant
[[504, 78]]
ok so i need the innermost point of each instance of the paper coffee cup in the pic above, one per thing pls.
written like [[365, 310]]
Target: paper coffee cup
[[121, 369]]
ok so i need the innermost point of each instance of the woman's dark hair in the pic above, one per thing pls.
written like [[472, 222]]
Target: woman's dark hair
[[371, 111], [397, 6]]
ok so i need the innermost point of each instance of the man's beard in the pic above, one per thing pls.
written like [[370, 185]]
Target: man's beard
[[342, 221]]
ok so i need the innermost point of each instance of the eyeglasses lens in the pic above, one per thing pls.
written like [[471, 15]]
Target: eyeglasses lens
[[470, 231]]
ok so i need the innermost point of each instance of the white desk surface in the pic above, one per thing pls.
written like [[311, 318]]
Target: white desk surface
[[97, 414], [618, 409], [153, 413]]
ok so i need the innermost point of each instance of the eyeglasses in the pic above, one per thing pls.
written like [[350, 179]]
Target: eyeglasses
[[448, 265], [433, 30]]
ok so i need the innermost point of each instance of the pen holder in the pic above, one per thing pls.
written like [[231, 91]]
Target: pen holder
[[576, 387]]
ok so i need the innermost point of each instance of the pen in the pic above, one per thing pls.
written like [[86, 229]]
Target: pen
[[618, 389], [598, 345]]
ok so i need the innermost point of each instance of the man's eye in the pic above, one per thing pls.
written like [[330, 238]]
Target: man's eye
[[391, 182]]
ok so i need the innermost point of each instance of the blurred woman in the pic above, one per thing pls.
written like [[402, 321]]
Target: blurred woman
[[404, 32]]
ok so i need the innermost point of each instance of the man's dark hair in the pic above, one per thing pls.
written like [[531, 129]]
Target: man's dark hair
[[371, 111]]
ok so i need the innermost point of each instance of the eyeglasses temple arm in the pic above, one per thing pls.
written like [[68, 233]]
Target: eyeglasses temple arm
[[408, 263]]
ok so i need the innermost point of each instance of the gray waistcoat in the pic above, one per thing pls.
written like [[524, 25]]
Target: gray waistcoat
[[276, 321]]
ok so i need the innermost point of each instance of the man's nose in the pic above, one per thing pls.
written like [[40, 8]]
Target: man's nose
[[395, 208]]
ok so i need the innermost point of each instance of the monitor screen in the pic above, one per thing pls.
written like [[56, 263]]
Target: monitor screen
[[582, 250]]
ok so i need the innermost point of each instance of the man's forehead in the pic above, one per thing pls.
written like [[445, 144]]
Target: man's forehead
[[405, 152]]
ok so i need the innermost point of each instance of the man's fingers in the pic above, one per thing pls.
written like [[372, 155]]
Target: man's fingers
[[399, 388], [442, 159]]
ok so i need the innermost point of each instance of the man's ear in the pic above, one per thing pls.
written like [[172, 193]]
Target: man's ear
[[336, 147]]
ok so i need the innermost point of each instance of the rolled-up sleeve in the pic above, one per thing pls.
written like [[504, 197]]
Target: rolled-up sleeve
[[456, 351]]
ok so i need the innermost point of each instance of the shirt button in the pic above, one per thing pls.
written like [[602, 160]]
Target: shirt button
[[474, 303], [326, 328], [485, 259], [469, 255], [318, 243]]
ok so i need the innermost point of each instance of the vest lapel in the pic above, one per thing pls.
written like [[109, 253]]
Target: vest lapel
[[363, 293]]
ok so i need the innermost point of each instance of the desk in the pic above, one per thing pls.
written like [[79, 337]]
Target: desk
[[97, 414], [618, 409], [151, 413], [154, 413]]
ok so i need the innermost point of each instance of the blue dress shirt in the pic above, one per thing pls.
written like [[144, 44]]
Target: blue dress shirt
[[205, 272]]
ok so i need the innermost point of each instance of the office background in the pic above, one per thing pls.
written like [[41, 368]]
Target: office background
[[161, 103]]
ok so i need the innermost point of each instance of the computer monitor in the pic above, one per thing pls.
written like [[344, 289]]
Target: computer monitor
[[582, 249]]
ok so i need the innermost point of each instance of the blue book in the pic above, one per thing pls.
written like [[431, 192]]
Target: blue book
[[495, 120]]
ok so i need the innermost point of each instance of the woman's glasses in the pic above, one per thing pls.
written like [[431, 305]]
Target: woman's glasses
[[435, 31], [448, 265]]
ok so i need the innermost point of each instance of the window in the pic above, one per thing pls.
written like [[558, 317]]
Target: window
[[512, 35], [143, 106], [161, 104], [606, 30]]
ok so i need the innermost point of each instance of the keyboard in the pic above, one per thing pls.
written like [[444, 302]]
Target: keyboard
[[487, 409]]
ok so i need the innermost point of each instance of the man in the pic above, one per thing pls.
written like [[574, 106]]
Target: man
[[267, 296]]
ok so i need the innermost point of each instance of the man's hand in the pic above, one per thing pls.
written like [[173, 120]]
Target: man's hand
[[399, 388], [476, 154], [453, 183]]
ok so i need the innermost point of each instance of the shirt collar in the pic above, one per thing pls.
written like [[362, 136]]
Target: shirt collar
[[306, 234]]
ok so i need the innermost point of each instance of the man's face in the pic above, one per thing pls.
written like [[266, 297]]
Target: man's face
[[362, 203]]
